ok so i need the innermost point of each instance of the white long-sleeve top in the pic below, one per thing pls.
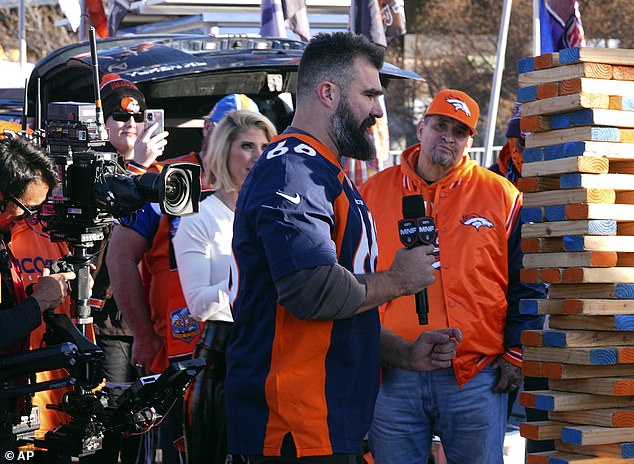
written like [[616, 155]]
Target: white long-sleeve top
[[202, 246]]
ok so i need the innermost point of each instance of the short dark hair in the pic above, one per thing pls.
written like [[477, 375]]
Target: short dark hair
[[21, 163], [329, 57]]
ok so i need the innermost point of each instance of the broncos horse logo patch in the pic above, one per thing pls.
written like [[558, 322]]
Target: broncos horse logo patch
[[476, 221], [459, 105]]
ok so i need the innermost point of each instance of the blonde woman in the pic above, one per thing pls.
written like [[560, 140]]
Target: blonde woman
[[202, 247]]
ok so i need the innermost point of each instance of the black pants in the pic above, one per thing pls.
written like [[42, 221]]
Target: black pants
[[289, 452]]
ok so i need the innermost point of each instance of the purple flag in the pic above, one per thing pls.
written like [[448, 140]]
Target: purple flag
[[272, 22], [296, 18], [560, 25], [365, 18]]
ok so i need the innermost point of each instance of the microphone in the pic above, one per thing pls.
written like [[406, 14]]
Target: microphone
[[417, 229]]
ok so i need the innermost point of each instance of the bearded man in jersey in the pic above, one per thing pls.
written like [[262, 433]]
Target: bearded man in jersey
[[477, 289], [304, 357]]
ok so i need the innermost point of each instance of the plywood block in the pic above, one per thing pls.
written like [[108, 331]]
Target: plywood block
[[564, 103], [597, 307], [597, 276], [545, 306], [622, 451], [580, 134], [607, 417], [596, 86], [619, 323], [569, 196], [585, 338], [566, 228], [615, 56], [560, 73], [593, 211], [595, 435], [588, 258], [537, 184], [580, 164], [613, 290], [542, 430], [612, 181], [585, 356], [556, 370], [620, 243], [612, 386], [549, 400], [623, 73]]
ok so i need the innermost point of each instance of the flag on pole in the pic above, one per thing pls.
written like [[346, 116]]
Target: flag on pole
[[117, 9], [365, 18], [560, 25], [393, 14], [296, 18], [272, 22], [72, 11]]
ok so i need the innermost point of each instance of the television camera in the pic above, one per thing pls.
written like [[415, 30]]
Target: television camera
[[94, 190]]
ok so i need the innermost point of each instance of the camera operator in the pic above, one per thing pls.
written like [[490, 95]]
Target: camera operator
[[26, 176]]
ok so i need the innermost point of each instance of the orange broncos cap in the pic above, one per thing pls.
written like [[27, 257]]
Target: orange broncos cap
[[457, 105]]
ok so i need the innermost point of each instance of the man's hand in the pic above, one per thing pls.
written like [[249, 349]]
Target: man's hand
[[433, 350], [412, 269], [510, 376], [149, 146], [144, 351], [51, 290]]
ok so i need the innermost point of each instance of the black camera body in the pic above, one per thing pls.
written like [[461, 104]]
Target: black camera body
[[94, 189]]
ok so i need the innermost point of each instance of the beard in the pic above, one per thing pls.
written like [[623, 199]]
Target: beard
[[351, 137]]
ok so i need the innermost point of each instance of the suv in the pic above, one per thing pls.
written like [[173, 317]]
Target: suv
[[184, 75]]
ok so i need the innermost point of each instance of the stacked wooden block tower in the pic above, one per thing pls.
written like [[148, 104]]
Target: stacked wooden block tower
[[578, 179]]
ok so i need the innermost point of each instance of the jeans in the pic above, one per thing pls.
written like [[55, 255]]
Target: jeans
[[412, 407]]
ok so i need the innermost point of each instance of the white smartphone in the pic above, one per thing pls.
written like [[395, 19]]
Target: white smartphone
[[155, 117]]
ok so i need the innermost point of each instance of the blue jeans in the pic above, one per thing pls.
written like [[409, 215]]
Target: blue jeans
[[412, 407]]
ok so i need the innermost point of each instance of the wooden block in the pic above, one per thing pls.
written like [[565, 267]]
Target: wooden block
[[596, 86], [540, 457], [598, 276], [613, 151], [585, 356], [625, 228], [614, 290], [535, 124], [613, 56], [532, 369], [564, 103], [620, 243], [532, 337], [530, 276], [549, 400], [537, 184], [560, 73], [580, 164], [569, 196], [621, 167], [566, 228], [623, 73], [583, 338], [546, 245], [588, 258], [619, 323], [621, 103], [596, 211], [625, 259], [595, 307], [580, 134], [612, 386], [547, 90], [620, 451], [525, 94], [547, 60], [556, 370], [542, 430], [545, 306], [612, 181], [608, 417], [595, 435], [570, 458]]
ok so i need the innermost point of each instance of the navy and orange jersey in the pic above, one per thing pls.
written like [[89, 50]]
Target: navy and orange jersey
[[314, 379]]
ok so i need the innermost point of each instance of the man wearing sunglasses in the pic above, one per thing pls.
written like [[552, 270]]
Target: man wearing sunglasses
[[26, 176]]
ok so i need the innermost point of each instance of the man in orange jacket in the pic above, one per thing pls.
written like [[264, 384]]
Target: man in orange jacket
[[477, 289]]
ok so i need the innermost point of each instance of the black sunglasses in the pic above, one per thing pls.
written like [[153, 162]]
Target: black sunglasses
[[123, 116], [28, 212]]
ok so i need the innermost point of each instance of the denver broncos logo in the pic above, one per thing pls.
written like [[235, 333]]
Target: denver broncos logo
[[476, 221], [130, 104], [459, 105]]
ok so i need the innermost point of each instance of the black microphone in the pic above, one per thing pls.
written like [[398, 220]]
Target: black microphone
[[417, 229]]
